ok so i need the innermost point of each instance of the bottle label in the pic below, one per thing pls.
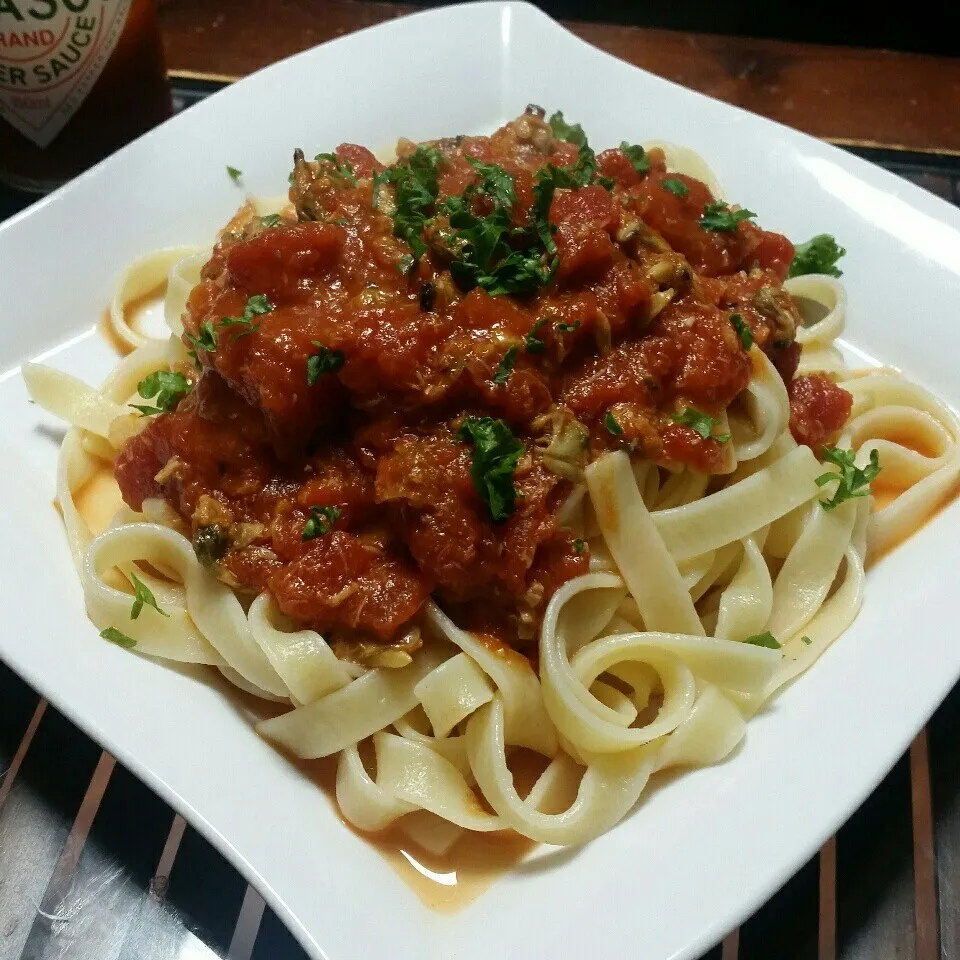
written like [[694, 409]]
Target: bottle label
[[51, 54]]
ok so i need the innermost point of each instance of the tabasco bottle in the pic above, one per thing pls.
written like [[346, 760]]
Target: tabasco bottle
[[78, 79]]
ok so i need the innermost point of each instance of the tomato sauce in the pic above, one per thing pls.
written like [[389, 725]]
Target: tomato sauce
[[344, 401]]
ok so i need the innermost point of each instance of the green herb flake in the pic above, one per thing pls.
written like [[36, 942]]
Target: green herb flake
[[701, 423], [579, 546], [342, 169], [323, 361], [415, 182], [717, 217], [320, 522], [496, 453], [568, 327], [257, 306], [572, 133], [533, 343], [806, 640], [165, 388], [677, 187], [610, 422], [853, 481], [143, 595], [743, 330], [637, 156], [234, 174], [492, 253], [764, 640], [206, 338], [818, 255], [271, 220], [495, 183], [120, 639], [505, 367]]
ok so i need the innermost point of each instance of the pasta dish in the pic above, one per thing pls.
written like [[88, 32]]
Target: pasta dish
[[511, 472]]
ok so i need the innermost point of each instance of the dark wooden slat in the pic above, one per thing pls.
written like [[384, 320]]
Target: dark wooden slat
[[827, 906], [247, 926], [205, 891], [17, 705], [875, 911], [157, 930], [945, 774], [56, 913], [35, 821], [730, 948], [111, 879], [276, 942], [871, 96], [12, 769], [715, 954], [788, 919], [924, 865]]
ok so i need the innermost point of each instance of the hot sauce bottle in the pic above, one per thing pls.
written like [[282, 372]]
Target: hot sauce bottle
[[78, 79]]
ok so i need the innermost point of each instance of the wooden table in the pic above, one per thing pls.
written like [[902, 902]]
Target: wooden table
[[94, 866], [848, 95]]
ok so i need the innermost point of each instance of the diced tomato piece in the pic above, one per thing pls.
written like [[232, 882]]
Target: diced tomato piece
[[342, 581], [818, 409], [363, 162], [278, 260], [585, 220]]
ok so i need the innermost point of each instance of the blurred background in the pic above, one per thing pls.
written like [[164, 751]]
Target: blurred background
[[932, 27]]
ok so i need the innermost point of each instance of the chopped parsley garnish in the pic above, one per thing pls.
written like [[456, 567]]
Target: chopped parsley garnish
[[168, 389], [532, 342], [505, 367], [764, 640], [271, 220], [323, 361], [495, 183], [719, 218], [568, 327], [677, 187], [206, 338], [853, 481], [743, 330], [579, 174], [610, 422], [818, 255], [496, 453], [321, 522], [257, 306], [806, 640], [637, 157], [234, 174], [578, 545], [486, 257], [701, 424], [342, 168], [142, 594], [120, 639], [415, 181], [405, 264], [572, 133]]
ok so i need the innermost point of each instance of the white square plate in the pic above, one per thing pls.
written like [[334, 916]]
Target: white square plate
[[697, 856]]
